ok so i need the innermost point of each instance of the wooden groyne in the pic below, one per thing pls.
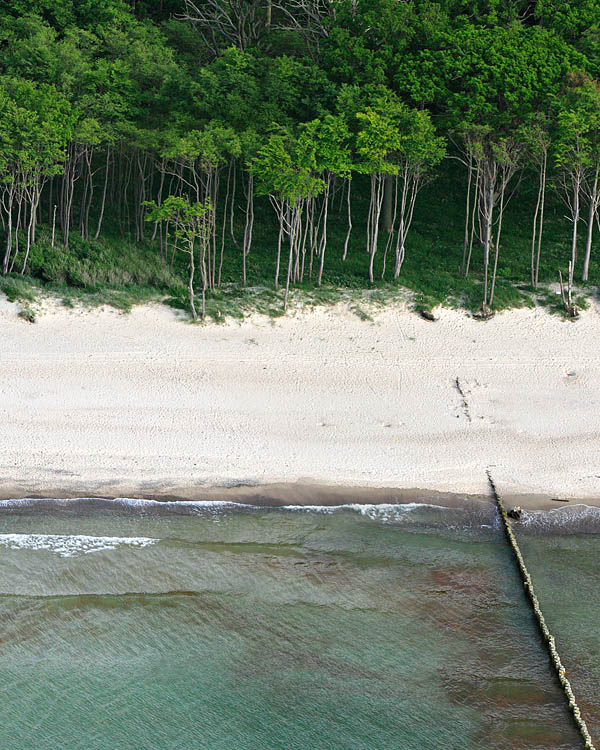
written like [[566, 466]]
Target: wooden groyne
[[535, 605]]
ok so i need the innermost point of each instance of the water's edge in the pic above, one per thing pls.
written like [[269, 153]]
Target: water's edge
[[276, 494]]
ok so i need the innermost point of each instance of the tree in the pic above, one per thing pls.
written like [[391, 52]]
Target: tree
[[35, 125], [496, 159], [284, 169], [394, 141], [196, 161], [222, 23], [535, 136], [190, 226], [330, 139], [577, 155]]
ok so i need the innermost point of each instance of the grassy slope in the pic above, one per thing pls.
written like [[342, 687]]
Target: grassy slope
[[116, 271]]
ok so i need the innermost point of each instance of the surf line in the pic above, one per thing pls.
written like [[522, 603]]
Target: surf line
[[535, 605]]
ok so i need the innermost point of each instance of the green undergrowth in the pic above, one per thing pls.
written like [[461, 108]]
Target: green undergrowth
[[116, 271], [232, 301]]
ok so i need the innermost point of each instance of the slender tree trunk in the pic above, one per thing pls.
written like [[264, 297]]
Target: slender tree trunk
[[191, 281], [279, 241], [248, 228], [103, 203], [412, 181], [53, 224], [463, 267], [224, 227], [487, 237], [159, 198], [90, 195], [392, 228], [388, 203], [497, 243], [404, 207], [541, 227], [590, 228], [576, 213], [535, 230], [324, 228], [349, 232], [16, 233], [232, 205], [35, 197], [10, 196], [294, 217], [476, 212], [377, 182]]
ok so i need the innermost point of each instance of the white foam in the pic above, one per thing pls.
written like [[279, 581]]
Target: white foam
[[144, 502], [70, 546], [384, 512], [129, 501], [140, 502], [565, 516]]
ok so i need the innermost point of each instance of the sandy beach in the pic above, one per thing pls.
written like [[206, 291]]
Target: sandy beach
[[146, 404]]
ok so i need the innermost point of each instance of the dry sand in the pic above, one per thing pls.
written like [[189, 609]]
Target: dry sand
[[97, 402]]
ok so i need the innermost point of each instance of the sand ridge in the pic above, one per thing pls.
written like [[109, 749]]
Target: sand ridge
[[150, 403]]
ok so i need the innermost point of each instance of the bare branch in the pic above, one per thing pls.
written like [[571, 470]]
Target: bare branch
[[311, 19], [240, 23]]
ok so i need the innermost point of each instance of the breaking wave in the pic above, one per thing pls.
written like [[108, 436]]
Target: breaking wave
[[572, 519], [71, 546]]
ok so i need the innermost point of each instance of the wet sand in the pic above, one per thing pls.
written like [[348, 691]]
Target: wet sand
[[280, 494]]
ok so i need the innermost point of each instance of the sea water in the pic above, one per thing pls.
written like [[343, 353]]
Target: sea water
[[172, 626]]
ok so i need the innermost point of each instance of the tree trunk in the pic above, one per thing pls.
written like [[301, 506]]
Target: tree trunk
[[103, 203], [535, 243], [377, 182], [463, 266], [294, 217], [541, 229], [191, 282], [324, 229], [388, 204], [349, 232], [247, 243], [576, 210], [279, 240], [590, 228], [487, 237]]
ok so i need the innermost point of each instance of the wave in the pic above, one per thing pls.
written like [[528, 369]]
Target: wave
[[125, 501], [374, 511], [70, 546], [473, 514], [573, 519], [87, 505]]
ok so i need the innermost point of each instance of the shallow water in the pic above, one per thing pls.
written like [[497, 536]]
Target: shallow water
[[176, 626], [563, 556]]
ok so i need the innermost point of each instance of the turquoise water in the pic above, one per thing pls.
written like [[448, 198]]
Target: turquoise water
[[165, 626]]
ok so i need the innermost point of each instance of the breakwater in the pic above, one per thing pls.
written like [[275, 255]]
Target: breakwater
[[535, 605]]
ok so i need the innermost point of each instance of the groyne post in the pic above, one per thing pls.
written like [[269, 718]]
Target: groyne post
[[535, 605]]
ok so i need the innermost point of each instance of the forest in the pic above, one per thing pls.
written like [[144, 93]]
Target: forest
[[233, 155]]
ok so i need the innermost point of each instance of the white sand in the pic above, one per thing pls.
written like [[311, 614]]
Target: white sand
[[146, 402]]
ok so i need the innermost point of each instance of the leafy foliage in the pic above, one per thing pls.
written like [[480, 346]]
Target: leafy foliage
[[130, 128]]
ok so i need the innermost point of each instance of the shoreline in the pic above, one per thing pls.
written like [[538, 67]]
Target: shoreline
[[267, 495], [105, 404], [280, 495]]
